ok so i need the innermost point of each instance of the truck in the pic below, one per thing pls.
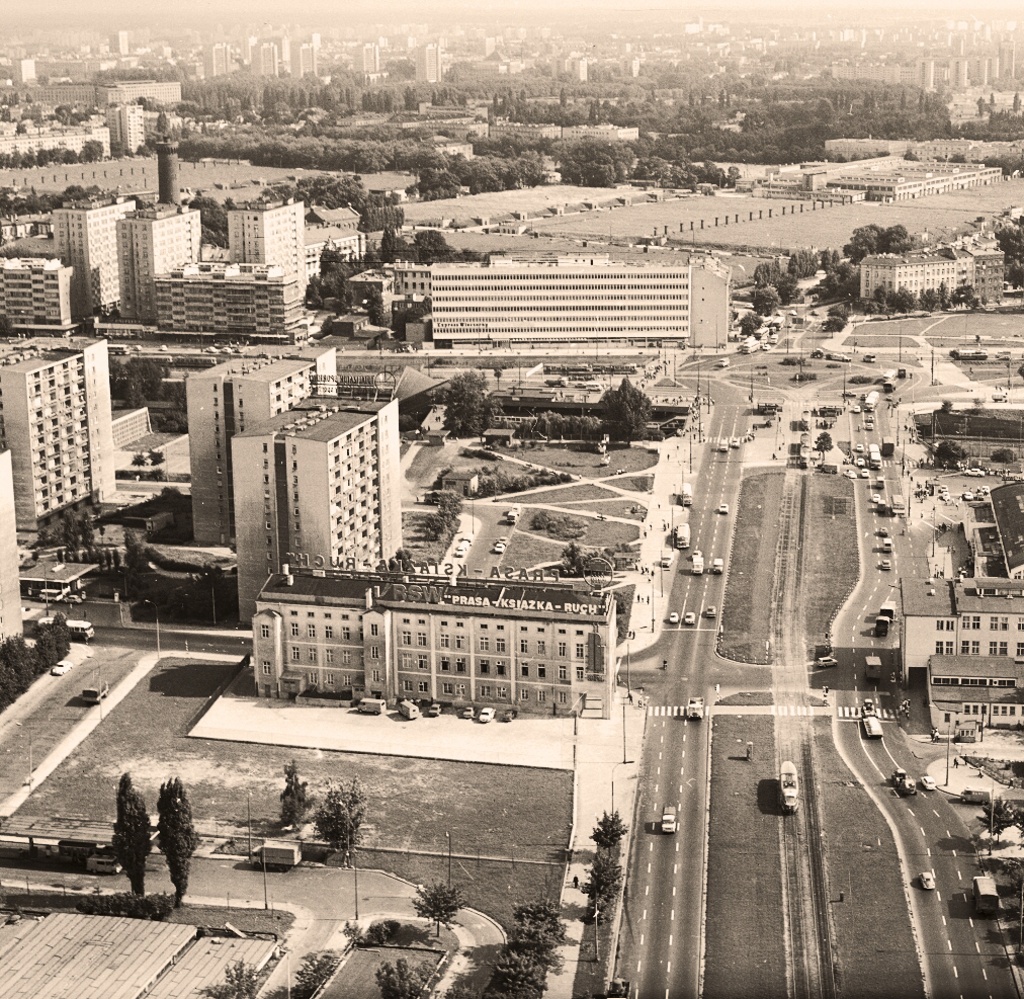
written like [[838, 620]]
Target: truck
[[512, 515], [561, 382], [408, 710], [682, 536], [872, 727], [93, 695], [698, 564], [888, 448], [718, 566], [968, 354], [902, 783], [279, 855], [873, 667], [687, 494], [986, 895], [888, 611], [870, 402], [102, 863]]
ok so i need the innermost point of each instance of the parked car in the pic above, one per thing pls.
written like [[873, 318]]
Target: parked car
[[62, 667], [434, 711], [673, 618], [824, 662], [690, 618], [468, 713], [486, 715]]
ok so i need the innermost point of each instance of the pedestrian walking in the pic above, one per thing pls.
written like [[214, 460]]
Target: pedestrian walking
[[576, 881], [956, 761]]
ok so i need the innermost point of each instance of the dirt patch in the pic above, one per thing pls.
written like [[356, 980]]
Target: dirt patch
[[637, 483], [873, 943], [742, 951], [747, 604]]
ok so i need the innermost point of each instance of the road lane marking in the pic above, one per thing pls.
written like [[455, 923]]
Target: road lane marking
[[673, 891], [645, 915], [936, 814], [948, 835], [675, 868], [959, 876], [647, 890], [984, 975], [955, 972], [943, 920], [949, 943], [928, 851], [977, 946], [923, 833], [938, 895], [970, 919]]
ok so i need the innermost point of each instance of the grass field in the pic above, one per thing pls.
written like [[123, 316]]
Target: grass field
[[572, 458], [615, 508], [412, 803], [829, 558], [745, 929], [747, 604], [567, 494], [526, 550], [415, 540], [873, 942], [637, 483], [586, 530]]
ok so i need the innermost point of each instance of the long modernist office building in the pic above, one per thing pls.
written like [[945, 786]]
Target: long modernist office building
[[579, 298]]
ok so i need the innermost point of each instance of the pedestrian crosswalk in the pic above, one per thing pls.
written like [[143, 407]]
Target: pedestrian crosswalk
[[781, 710]]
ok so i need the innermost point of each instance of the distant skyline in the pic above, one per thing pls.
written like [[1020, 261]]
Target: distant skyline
[[104, 15]]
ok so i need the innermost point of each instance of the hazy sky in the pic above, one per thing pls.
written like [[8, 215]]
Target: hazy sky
[[105, 14]]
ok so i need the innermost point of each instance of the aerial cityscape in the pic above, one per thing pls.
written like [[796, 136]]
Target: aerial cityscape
[[501, 502]]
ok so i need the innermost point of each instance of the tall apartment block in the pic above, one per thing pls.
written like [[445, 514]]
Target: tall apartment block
[[428, 64], [270, 233], [153, 241], [304, 60], [226, 399], [56, 424], [216, 60], [371, 57], [35, 294], [266, 59], [321, 481], [127, 124], [86, 239], [119, 43], [10, 579]]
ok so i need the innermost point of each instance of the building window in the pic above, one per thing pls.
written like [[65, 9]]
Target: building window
[[542, 672], [423, 687], [295, 629], [485, 690], [328, 631], [264, 631], [346, 633], [485, 644], [407, 686], [499, 645], [310, 631], [503, 693], [579, 650], [445, 642], [375, 652], [460, 641], [998, 623], [563, 697], [311, 655], [266, 668], [447, 688], [407, 638], [460, 664], [329, 655], [422, 662], [563, 650], [563, 672], [484, 666], [524, 694], [524, 646], [295, 653], [524, 671], [499, 668], [346, 657], [421, 639], [374, 630], [446, 664]]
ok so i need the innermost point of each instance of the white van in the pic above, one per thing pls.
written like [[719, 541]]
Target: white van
[[373, 706], [669, 822], [102, 864]]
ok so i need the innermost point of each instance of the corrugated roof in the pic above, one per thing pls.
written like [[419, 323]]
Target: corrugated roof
[[72, 956], [205, 962], [1008, 510]]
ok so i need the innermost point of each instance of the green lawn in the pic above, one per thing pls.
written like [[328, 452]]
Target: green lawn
[[498, 811], [745, 927], [746, 610], [637, 483], [581, 460], [415, 540], [526, 550], [566, 494]]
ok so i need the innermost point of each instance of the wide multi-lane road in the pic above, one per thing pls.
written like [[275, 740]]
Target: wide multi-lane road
[[660, 944]]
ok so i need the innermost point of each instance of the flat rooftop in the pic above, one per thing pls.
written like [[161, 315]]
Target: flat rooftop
[[317, 418]]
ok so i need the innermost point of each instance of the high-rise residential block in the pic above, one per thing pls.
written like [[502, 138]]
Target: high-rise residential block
[[371, 58], [216, 60], [127, 124], [225, 399], [270, 233], [153, 241], [10, 578], [24, 71], [428, 63], [85, 234], [321, 480], [304, 60], [57, 426], [267, 59], [35, 294], [119, 43]]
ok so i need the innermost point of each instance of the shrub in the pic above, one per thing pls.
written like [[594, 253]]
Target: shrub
[[155, 907], [380, 933]]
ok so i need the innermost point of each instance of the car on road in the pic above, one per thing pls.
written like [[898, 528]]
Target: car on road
[[669, 822], [486, 715], [883, 532], [851, 473], [824, 662], [695, 708], [975, 473], [468, 713], [62, 667], [855, 409], [735, 442], [863, 473], [711, 611], [723, 448], [876, 498], [885, 565], [673, 618], [723, 508], [499, 547], [861, 463], [967, 497], [927, 783], [859, 449], [927, 880], [867, 708], [690, 618]]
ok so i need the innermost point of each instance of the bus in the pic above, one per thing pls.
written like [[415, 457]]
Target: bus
[[870, 402], [898, 506], [873, 668], [872, 727], [681, 536], [687, 494], [80, 631], [874, 456], [889, 380]]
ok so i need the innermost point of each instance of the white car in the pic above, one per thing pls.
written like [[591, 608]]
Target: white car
[[968, 497], [735, 442], [724, 508], [876, 498], [864, 473], [673, 618], [861, 463], [856, 409], [977, 473], [486, 715], [499, 547], [723, 448], [62, 667], [927, 880], [927, 783], [859, 449], [885, 565], [851, 473], [690, 618]]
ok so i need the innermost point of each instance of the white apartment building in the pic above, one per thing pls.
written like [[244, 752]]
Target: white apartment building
[[86, 239], [569, 298], [153, 241], [127, 125], [602, 133], [976, 264], [323, 479], [270, 233], [10, 578], [216, 60], [224, 400], [72, 138], [428, 64], [56, 424], [35, 294]]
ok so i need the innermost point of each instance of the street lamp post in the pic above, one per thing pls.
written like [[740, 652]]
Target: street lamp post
[[448, 837], [948, 734]]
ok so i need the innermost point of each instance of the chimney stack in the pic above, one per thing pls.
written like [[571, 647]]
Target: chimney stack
[[167, 170]]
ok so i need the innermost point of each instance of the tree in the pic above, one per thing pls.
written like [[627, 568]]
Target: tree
[[402, 980], [132, 841], [241, 981], [609, 831], [823, 444], [439, 903], [949, 454], [749, 324], [139, 460], [538, 930], [296, 800], [626, 411], [339, 818], [469, 410], [518, 975], [787, 289], [374, 304], [574, 559], [964, 295], [313, 973], [136, 558], [765, 301], [1001, 815], [605, 879], [431, 247], [449, 507], [176, 834]]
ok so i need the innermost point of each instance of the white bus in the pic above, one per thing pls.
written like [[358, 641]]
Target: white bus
[[80, 631], [898, 506]]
